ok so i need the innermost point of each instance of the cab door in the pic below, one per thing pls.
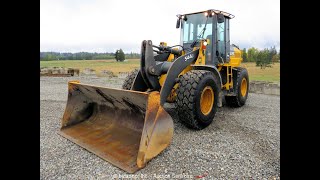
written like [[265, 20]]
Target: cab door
[[223, 41]]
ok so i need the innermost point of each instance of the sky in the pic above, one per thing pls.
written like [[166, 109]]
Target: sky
[[108, 25]]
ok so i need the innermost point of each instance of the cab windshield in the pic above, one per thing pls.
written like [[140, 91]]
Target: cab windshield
[[193, 27]]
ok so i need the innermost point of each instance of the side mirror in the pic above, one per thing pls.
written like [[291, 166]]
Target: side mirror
[[178, 23], [220, 18]]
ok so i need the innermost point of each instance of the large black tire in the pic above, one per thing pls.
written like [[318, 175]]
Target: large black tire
[[191, 86], [130, 79], [240, 98]]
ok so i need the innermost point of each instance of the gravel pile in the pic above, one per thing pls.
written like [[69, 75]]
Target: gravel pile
[[240, 143]]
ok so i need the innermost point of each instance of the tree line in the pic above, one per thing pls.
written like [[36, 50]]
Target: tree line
[[50, 56], [263, 58]]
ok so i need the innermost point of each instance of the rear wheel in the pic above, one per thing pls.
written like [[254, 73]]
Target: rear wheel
[[130, 79], [197, 98], [241, 89]]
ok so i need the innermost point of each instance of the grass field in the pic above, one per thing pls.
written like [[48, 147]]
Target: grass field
[[98, 65], [268, 74], [255, 73]]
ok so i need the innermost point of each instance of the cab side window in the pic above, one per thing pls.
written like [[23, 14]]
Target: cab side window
[[221, 49]]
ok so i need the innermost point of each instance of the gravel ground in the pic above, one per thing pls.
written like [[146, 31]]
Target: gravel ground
[[240, 143]]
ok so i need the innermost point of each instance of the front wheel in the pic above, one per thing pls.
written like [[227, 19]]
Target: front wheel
[[197, 98], [127, 84]]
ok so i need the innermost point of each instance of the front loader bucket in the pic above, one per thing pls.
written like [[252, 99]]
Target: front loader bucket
[[126, 128]]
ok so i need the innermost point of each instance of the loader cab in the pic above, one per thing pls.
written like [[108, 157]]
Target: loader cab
[[212, 25]]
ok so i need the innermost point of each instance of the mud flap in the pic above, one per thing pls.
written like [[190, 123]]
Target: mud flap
[[126, 128]]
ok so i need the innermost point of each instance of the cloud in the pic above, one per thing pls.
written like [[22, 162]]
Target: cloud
[[99, 25]]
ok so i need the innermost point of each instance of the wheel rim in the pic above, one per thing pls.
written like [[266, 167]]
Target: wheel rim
[[244, 87], [207, 100]]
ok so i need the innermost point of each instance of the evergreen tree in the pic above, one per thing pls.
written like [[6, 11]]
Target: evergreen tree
[[121, 55]]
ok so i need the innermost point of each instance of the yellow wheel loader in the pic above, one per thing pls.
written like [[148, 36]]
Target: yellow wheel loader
[[129, 126]]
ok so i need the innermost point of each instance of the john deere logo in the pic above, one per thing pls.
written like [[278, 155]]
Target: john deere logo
[[188, 57]]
